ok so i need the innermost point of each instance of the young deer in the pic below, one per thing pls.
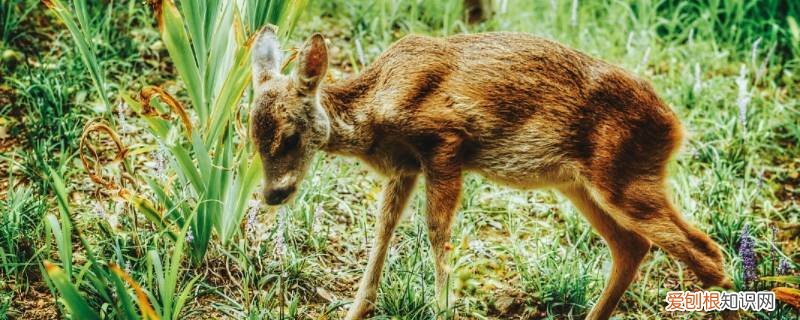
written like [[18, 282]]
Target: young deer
[[521, 110]]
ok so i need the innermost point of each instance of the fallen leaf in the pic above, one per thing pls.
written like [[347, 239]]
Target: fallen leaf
[[789, 296], [325, 294]]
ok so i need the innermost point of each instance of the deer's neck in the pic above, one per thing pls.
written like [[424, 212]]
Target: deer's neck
[[348, 105]]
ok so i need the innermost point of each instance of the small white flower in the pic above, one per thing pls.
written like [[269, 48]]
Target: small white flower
[[645, 58], [574, 18], [193, 116], [113, 221], [318, 212], [360, 52], [744, 95], [478, 246], [189, 236], [342, 207], [629, 43], [754, 51], [280, 242], [112, 218], [161, 161], [122, 117], [99, 210], [119, 205], [252, 213], [698, 82]]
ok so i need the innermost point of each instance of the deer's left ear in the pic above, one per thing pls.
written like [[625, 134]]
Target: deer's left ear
[[266, 55], [312, 64]]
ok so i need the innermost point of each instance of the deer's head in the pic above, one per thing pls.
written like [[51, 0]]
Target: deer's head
[[288, 122]]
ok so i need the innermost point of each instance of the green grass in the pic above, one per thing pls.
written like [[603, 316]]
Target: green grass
[[517, 254]]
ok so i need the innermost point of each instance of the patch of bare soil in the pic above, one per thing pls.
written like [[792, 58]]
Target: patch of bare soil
[[33, 305]]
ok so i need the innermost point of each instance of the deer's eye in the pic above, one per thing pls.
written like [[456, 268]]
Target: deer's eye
[[289, 143]]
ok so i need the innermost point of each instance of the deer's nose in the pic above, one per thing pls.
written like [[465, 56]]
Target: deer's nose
[[278, 196]]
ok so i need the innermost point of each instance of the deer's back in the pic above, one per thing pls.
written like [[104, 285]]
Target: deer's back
[[522, 104]]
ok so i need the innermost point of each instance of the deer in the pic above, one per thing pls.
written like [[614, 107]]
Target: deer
[[520, 110]]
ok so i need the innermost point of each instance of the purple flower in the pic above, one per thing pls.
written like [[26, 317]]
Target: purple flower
[[784, 267], [748, 255], [189, 236]]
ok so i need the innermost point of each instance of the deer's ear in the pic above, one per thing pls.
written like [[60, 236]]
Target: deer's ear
[[265, 57], [312, 64]]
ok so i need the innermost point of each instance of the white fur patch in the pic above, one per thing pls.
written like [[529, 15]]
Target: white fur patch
[[265, 56], [285, 180]]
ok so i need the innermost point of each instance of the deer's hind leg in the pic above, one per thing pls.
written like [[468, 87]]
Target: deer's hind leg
[[644, 207], [627, 249]]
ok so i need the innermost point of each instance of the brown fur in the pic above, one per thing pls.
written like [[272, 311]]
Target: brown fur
[[521, 110]]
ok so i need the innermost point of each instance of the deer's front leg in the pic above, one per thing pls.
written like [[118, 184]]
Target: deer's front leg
[[395, 197], [443, 190]]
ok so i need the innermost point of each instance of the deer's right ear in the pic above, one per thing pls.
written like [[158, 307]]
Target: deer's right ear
[[265, 57], [312, 63]]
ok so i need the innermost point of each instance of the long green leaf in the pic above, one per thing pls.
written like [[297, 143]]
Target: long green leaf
[[62, 229], [63, 243], [218, 59], [82, 37], [188, 169], [144, 206], [184, 296], [194, 13], [203, 158], [77, 306], [236, 202], [173, 33], [783, 279], [66, 220], [161, 282], [125, 300], [226, 103]]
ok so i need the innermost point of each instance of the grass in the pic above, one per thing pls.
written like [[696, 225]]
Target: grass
[[729, 69]]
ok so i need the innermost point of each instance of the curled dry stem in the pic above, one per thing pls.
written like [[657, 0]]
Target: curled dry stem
[[147, 94], [93, 167]]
